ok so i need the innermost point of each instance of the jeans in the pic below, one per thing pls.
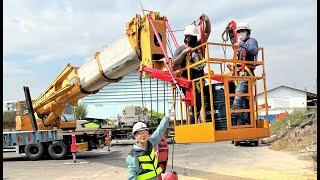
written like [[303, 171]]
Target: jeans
[[241, 102]]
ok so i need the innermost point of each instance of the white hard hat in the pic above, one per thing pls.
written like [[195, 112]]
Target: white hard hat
[[139, 126], [191, 30], [243, 25]]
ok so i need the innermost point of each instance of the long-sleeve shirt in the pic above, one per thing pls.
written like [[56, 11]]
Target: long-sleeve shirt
[[251, 47], [154, 140]]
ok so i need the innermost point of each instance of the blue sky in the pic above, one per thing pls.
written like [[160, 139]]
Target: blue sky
[[41, 37]]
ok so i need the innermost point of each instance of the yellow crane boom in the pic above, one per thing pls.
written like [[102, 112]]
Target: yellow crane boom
[[107, 66]]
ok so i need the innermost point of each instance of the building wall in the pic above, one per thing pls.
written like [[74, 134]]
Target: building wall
[[110, 100], [9, 105], [283, 99]]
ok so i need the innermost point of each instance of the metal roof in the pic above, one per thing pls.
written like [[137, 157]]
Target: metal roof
[[310, 94]]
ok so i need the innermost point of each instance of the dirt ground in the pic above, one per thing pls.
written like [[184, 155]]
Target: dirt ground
[[220, 160]]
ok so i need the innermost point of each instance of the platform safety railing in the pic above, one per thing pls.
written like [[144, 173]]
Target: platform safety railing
[[222, 76]]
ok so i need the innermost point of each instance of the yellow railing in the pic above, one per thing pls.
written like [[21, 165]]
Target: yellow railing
[[210, 76]]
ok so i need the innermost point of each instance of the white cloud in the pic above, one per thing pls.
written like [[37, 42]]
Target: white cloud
[[57, 30]]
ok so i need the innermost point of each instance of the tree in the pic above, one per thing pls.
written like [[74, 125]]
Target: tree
[[9, 116], [155, 116], [80, 111]]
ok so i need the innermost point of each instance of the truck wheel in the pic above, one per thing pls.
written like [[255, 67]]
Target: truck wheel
[[256, 143], [34, 151], [57, 150], [236, 143]]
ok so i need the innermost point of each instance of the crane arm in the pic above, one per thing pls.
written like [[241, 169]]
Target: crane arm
[[139, 46]]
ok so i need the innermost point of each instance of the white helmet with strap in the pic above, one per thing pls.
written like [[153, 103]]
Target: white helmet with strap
[[243, 25], [191, 30], [138, 127]]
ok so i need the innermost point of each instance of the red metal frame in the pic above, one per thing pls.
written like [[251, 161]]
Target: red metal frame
[[219, 78], [167, 62], [169, 75], [170, 32], [182, 82]]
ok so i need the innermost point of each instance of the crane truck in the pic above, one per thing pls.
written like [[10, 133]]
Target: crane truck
[[41, 130], [40, 127]]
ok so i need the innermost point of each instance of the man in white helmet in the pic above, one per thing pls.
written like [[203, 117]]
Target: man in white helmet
[[248, 51], [141, 160], [191, 40]]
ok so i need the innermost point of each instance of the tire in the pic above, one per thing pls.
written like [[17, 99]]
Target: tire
[[57, 150], [236, 143], [34, 151], [256, 143]]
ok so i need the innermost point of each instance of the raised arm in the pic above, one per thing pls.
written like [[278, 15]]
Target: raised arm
[[207, 26], [158, 134], [179, 55]]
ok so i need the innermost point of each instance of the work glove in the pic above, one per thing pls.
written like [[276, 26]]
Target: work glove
[[170, 112], [196, 57]]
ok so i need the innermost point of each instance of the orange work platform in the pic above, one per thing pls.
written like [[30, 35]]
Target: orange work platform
[[217, 119]]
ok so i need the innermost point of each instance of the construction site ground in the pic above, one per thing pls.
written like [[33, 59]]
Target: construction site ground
[[221, 160]]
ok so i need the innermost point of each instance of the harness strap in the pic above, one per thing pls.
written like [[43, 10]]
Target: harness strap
[[245, 68]]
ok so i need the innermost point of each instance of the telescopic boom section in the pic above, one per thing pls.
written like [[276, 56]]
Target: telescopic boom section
[[138, 47]]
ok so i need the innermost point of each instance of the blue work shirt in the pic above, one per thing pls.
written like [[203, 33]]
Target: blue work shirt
[[154, 140], [251, 47]]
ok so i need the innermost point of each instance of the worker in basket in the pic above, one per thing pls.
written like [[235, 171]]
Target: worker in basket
[[179, 58], [248, 51], [141, 160]]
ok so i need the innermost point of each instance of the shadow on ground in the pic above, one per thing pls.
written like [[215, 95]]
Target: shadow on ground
[[117, 159]]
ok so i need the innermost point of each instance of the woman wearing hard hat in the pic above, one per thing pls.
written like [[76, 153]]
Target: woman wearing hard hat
[[142, 161]]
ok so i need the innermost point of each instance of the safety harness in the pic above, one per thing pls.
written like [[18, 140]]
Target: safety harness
[[230, 32]]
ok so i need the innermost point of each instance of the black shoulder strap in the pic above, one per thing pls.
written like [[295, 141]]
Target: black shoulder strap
[[136, 153]]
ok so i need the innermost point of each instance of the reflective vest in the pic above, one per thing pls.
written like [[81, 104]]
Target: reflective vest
[[148, 163]]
